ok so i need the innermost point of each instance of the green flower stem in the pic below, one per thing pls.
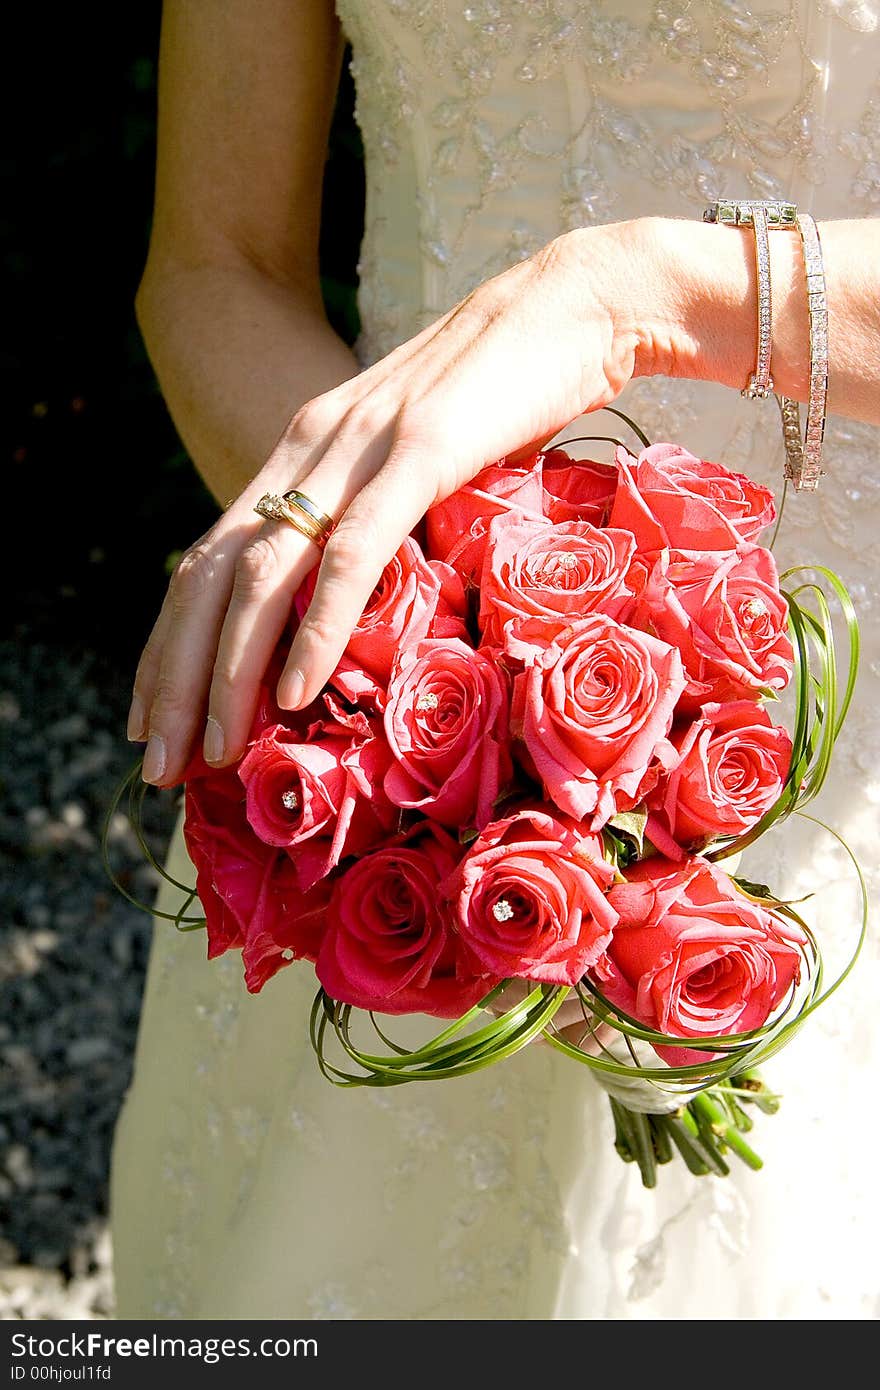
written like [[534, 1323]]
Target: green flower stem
[[710, 1115], [691, 1152], [752, 1085], [742, 1121], [621, 1137], [662, 1142], [637, 1137], [701, 1132]]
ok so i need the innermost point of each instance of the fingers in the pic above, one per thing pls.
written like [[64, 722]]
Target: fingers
[[358, 454], [176, 669], [267, 575], [368, 534], [194, 607]]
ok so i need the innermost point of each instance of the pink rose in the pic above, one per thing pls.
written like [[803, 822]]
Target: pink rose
[[667, 497], [294, 789], [692, 956], [458, 527], [593, 711], [415, 598], [447, 723], [727, 618], [550, 573], [531, 898], [577, 489], [389, 945], [732, 764]]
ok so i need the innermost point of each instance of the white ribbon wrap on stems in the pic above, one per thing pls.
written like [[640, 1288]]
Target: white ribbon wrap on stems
[[633, 1091]]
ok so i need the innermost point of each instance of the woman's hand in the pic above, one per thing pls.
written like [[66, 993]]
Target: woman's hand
[[553, 337]]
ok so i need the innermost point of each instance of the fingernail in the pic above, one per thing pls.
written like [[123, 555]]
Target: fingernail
[[293, 689], [214, 742], [154, 759], [136, 728]]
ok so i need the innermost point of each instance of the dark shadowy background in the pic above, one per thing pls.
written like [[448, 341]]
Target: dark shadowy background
[[98, 497]]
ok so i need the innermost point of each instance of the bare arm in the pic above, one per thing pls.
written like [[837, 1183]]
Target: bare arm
[[230, 303]]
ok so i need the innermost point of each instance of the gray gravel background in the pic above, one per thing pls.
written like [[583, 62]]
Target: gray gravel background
[[72, 960]]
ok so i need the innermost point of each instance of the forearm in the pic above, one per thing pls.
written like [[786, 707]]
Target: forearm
[[236, 353], [692, 307]]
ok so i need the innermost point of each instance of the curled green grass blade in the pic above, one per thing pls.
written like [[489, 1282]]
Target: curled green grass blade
[[449, 1053], [136, 790]]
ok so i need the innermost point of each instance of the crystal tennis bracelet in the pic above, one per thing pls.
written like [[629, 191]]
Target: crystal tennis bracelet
[[802, 458]]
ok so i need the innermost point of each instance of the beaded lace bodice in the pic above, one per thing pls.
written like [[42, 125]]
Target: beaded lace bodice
[[244, 1185], [492, 125]]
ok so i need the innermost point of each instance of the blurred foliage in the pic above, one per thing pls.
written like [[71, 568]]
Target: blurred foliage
[[97, 484]]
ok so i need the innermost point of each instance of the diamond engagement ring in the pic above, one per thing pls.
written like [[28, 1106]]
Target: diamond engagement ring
[[298, 511]]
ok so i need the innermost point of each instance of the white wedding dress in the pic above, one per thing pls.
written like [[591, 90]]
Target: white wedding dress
[[244, 1185]]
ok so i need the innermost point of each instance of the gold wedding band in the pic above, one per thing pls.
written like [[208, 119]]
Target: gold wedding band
[[298, 511], [305, 504]]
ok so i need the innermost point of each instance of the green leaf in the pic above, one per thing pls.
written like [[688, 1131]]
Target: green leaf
[[617, 850], [631, 825], [754, 890]]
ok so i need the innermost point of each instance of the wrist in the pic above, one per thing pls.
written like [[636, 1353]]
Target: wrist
[[634, 275], [705, 290]]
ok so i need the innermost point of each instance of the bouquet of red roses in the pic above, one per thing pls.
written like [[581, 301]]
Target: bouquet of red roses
[[549, 730]]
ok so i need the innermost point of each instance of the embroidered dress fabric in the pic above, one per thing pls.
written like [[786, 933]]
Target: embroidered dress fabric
[[244, 1185]]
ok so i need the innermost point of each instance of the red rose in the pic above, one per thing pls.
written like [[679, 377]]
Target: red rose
[[667, 497], [594, 711], [458, 527], [285, 925], [531, 898], [294, 789], [388, 944], [319, 799], [229, 860], [415, 598], [727, 618], [732, 764], [447, 723], [692, 956], [535, 570], [247, 888], [577, 489]]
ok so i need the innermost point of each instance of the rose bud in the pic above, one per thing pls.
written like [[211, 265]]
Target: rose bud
[[732, 764], [542, 574], [727, 618], [577, 489], [594, 711]]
